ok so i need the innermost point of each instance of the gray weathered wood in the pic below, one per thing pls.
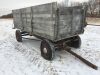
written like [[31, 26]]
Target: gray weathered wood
[[50, 21]]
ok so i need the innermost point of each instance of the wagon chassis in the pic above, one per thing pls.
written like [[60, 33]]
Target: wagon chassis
[[48, 47]]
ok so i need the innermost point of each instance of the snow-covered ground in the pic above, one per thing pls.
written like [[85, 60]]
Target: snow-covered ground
[[25, 59]]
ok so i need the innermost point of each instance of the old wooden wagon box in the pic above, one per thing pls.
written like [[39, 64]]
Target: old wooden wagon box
[[50, 21]]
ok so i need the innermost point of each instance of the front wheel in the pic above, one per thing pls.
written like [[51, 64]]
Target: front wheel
[[47, 50], [75, 42]]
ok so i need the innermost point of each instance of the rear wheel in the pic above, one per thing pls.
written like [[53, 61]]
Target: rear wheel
[[47, 50], [18, 36]]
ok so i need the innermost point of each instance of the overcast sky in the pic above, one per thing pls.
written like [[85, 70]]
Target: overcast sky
[[13, 4]]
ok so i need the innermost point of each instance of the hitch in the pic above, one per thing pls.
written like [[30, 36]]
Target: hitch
[[68, 49]]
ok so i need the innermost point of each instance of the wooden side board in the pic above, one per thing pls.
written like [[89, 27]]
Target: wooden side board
[[50, 21], [70, 22]]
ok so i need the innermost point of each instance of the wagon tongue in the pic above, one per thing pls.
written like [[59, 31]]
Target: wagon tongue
[[68, 49]]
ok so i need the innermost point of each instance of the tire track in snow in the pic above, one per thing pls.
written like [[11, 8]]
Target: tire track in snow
[[33, 56]]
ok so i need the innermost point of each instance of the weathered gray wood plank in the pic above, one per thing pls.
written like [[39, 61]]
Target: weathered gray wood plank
[[50, 21]]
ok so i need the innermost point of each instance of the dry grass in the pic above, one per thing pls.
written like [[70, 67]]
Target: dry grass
[[94, 21]]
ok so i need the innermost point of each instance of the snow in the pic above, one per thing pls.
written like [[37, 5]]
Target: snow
[[25, 59]]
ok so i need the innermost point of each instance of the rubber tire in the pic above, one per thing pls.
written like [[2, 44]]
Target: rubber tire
[[18, 36], [75, 42], [50, 50]]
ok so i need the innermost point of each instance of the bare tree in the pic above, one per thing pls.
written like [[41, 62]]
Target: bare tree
[[99, 8], [94, 7], [91, 6]]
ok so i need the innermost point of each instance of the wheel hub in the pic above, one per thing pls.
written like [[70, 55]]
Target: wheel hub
[[45, 50]]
